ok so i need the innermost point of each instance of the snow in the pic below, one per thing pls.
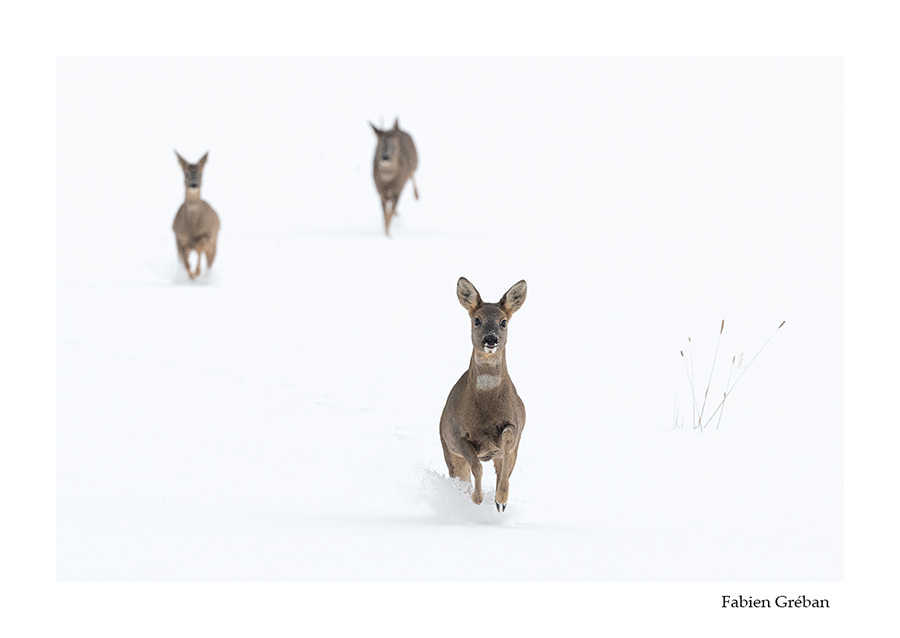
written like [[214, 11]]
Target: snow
[[277, 419]]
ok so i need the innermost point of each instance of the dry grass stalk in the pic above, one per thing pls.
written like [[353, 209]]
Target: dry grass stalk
[[729, 386], [725, 394]]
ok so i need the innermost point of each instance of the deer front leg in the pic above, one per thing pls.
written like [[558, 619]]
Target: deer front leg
[[199, 259], [183, 253], [471, 457], [504, 468], [385, 203], [392, 206]]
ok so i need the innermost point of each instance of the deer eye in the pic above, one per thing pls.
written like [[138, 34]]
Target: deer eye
[[477, 321], [503, 323]]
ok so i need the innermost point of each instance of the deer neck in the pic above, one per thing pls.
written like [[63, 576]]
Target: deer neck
[[192, 194], [487, 373]]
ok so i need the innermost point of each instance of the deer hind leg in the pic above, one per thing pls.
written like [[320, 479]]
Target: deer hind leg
[[183, 252], [387, 216], [504, 465], [415, 190], [394, 212], [199, 251], [457, 466], [471, 457], [210, 255]]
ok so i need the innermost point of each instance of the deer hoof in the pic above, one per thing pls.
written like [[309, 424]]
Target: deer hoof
[[501, 507]]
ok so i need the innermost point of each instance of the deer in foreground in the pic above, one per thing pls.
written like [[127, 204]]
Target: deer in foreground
[[196, 224], [484, 417], [395, 162]]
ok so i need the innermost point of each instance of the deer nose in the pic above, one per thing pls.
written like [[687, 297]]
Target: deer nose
[[491, 341]]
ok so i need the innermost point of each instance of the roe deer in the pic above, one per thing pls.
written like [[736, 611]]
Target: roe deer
[[196, 224], [395, 162], [484, 417]]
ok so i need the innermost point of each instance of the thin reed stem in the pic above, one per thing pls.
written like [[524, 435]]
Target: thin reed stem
[[693, 394], [725, 394], [743, 372], [712, 368], [691, 349]]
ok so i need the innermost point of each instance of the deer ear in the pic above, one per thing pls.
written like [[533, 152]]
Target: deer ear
[[396, 123], [181, 161], [467, 295], [377, 130], [202, 161], [514, 297]]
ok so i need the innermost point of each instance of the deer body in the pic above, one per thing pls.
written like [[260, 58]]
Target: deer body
[[394, 164], [196, 224], [484, 417]]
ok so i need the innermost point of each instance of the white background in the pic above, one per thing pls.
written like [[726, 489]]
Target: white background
[[868, 97], [277, 418]]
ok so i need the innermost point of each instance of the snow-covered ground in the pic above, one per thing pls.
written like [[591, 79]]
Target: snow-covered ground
[[277, 419]]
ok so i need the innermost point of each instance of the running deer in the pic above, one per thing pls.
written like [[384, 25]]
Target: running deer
[[196, 224], [395, 162], [484, 417]]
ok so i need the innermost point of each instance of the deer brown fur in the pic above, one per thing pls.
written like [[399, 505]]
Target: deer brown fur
[[484, 417], [395, 162], [196, 224]]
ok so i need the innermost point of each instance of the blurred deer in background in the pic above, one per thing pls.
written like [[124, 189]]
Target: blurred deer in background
[[196, 224], [395, 162]]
